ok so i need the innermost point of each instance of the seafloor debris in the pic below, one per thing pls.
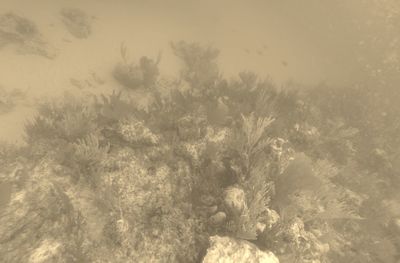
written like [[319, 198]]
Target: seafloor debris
[[24, 34], [77, 22]]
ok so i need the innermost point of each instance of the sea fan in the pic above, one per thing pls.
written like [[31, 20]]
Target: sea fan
[[254, 181], [254, 129], [67, 120], [113, 108], [89, 156], [88, 150]]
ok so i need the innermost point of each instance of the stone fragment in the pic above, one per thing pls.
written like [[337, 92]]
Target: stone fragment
[[235, 199], [218, 218]]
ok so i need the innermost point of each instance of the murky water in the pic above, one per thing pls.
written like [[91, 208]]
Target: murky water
[[306, 42]]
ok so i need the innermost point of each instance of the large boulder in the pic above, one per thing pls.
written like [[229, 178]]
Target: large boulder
[[229, 250]]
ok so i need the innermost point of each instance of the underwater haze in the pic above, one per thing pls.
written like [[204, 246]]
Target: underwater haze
[[334, 42], [200, 131]]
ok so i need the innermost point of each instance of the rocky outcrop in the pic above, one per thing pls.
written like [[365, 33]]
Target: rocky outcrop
[[135, 132], [229, 250]]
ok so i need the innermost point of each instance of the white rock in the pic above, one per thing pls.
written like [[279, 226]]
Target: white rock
[[235, 199], [218, 218], [273, 217], [229, 250], [45, 251], [260, 227]]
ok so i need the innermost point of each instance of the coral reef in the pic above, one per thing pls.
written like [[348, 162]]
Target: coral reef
[[134, 131], [213, 170], [142, 75]]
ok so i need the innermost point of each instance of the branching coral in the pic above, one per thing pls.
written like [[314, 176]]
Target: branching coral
[[209, 157], [252, 180], [133, 76], [69, 121], [254, 129], [200, 68], [88, 157]]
